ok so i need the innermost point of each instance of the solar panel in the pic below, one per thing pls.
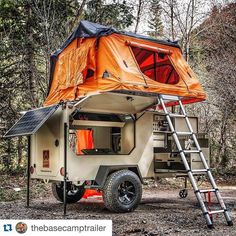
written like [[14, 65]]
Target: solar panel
[[31, 121]]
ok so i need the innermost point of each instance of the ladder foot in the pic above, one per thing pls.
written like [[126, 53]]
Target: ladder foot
[[211, 226], [230, 223]]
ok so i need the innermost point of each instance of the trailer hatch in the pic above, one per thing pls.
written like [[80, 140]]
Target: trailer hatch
[[116, 103], [31, 121]]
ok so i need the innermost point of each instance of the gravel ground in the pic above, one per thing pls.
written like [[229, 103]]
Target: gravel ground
[[161, 212]]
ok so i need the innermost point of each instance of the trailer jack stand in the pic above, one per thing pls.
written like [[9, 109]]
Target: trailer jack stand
[[65, 169], [28, 173]]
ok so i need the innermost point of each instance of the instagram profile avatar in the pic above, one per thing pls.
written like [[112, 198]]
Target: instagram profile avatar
[[21, 227]]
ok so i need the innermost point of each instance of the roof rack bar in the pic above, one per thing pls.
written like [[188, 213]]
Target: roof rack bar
[[150, 48]]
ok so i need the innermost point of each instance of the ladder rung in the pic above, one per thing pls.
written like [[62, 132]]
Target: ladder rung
[[92, 187], [176, 115], [207, 190], [169, 97], [191, 151], [199, 170], [184, 133], [216, 212]]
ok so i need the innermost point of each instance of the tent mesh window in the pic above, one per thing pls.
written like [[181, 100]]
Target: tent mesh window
[[157, 66]]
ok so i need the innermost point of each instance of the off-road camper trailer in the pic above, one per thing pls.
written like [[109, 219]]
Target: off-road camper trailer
[[107, 124]]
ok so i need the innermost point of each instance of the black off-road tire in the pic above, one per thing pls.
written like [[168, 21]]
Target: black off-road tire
[[113, 191], [73, 196]]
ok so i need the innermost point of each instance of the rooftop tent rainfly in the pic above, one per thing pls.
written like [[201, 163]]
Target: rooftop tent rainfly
[[97, 59]]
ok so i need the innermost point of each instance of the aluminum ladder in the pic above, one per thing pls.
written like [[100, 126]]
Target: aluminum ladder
[[198, 192]]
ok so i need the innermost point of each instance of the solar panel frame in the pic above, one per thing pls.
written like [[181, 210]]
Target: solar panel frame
[[31, 121]]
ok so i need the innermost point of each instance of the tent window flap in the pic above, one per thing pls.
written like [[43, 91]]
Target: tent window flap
[[156, 65]]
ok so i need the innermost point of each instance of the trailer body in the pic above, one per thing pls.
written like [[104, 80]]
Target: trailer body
[[141, 142]]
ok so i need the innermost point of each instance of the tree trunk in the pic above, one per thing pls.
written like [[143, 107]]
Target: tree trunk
[[140, 3], [172, 19], [187, 49], [8, 160], [222, 156], [78, 15], [19, 150], [30, 57]]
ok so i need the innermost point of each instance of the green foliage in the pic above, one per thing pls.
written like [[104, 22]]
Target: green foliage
[[29, 31], [118, 15], [13, 169]]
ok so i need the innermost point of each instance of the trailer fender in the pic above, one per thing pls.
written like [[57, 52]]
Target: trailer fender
[[105, 171]]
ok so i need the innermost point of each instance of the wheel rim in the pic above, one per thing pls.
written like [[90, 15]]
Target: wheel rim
[[126, 191], [72, 192]]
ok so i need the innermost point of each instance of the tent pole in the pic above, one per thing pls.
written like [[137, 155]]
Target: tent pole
[[28, 171], [155, 66], [65, 167]]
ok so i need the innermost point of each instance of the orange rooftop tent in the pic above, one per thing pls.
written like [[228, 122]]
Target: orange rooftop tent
[[98, 59]]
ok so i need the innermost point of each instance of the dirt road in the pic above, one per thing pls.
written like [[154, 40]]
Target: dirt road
[[161, 212]]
